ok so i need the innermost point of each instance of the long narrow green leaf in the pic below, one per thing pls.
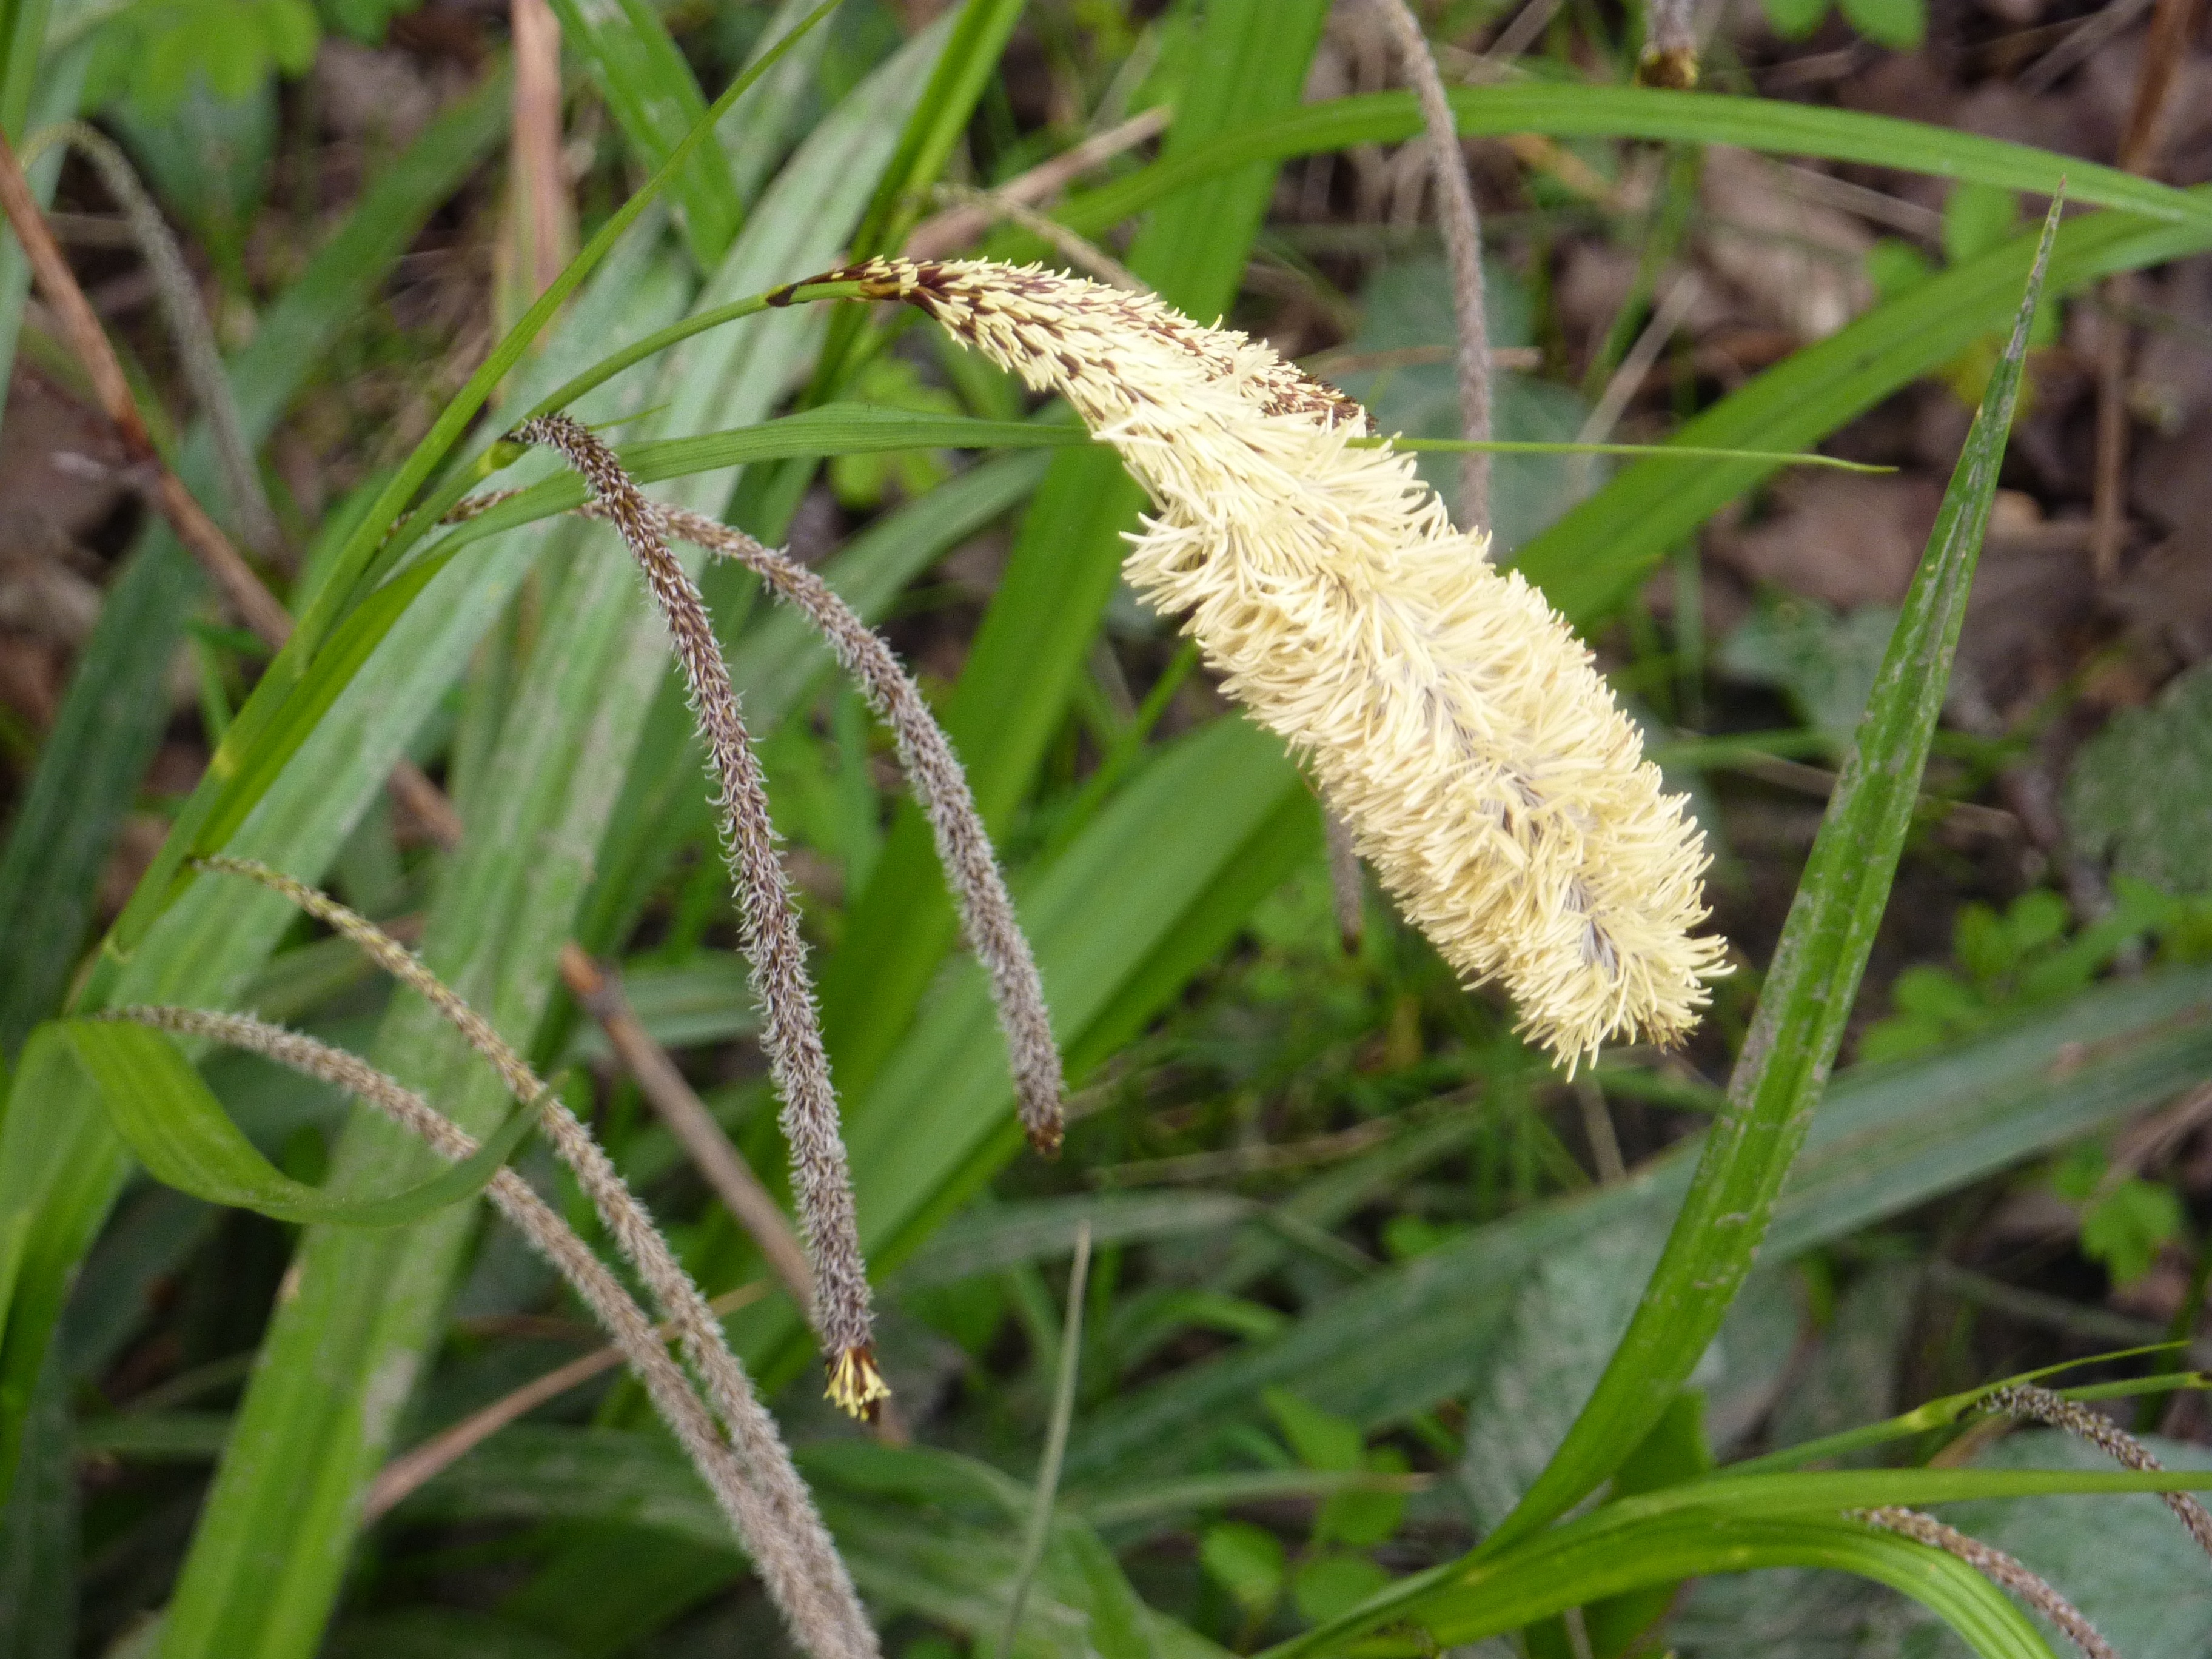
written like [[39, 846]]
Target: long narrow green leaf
[[655, 100], [180, 1131], [61, 1165], [1518, 1593], [926, 143], [1767, 125], [367, 1307], [1810, 987]]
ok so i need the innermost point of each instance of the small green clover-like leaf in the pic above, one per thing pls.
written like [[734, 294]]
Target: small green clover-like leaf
[[1330, 1584], [1975, 218], [2125, 1229], [1901, 25], [1793, 19], [1320, 1440], [2140, 792], [1247, 1561], [1364, 1519], [1895, 267]]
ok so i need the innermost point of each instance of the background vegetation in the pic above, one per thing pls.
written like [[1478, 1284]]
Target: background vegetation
[[1363, 1272]]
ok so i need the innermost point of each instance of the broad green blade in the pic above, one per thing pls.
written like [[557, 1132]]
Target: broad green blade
[[1810, 987], [654, 100], [178, 1130]]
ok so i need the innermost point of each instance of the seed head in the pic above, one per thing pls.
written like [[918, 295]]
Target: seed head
[[1450, 718]]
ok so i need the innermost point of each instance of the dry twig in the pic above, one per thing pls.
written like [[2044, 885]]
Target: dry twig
[[1462, 232], [199, 533]]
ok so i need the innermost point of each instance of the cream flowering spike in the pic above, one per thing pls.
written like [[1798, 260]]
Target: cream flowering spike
[[1448, 713]]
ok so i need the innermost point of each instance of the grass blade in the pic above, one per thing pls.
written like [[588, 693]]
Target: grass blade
[[655, 100], [1770, 125], [266, 706], [1039, 1527], [180, 1132], [1809, 989]]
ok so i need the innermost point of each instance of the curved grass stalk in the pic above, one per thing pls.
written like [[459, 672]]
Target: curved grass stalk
[[750, 1474], [626, 1220], [940, 788], [1998, 1568], [2047, 1406], [791, 1033], [1462, 231]]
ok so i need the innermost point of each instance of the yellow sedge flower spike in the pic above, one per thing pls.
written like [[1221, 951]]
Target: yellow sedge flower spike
[[1448, 715]]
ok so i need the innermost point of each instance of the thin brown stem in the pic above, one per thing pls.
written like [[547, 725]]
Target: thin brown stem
[[950, 231], [199, 533], [1999, 1569], [414, 1469], [791, 1033], [1462, 232], [189, 328], [751, 1473], [933, 772], [2043, 1406]]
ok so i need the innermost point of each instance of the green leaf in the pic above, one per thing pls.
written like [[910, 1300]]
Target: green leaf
[[2126, 1227], [1809, 988], [1794, 20], [650, 90], [1247, 1561], [180, 1132], [114, 714], [1590, 561], [1900, 25], [1885, 1138], [1322, 1440], [1823, 663], [1770, 125], [2140, 792], [1977, 217], [219, 800], [1328, 1584]]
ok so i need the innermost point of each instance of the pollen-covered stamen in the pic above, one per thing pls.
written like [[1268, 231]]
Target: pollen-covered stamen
[[1460, 730], [856, 1387]]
